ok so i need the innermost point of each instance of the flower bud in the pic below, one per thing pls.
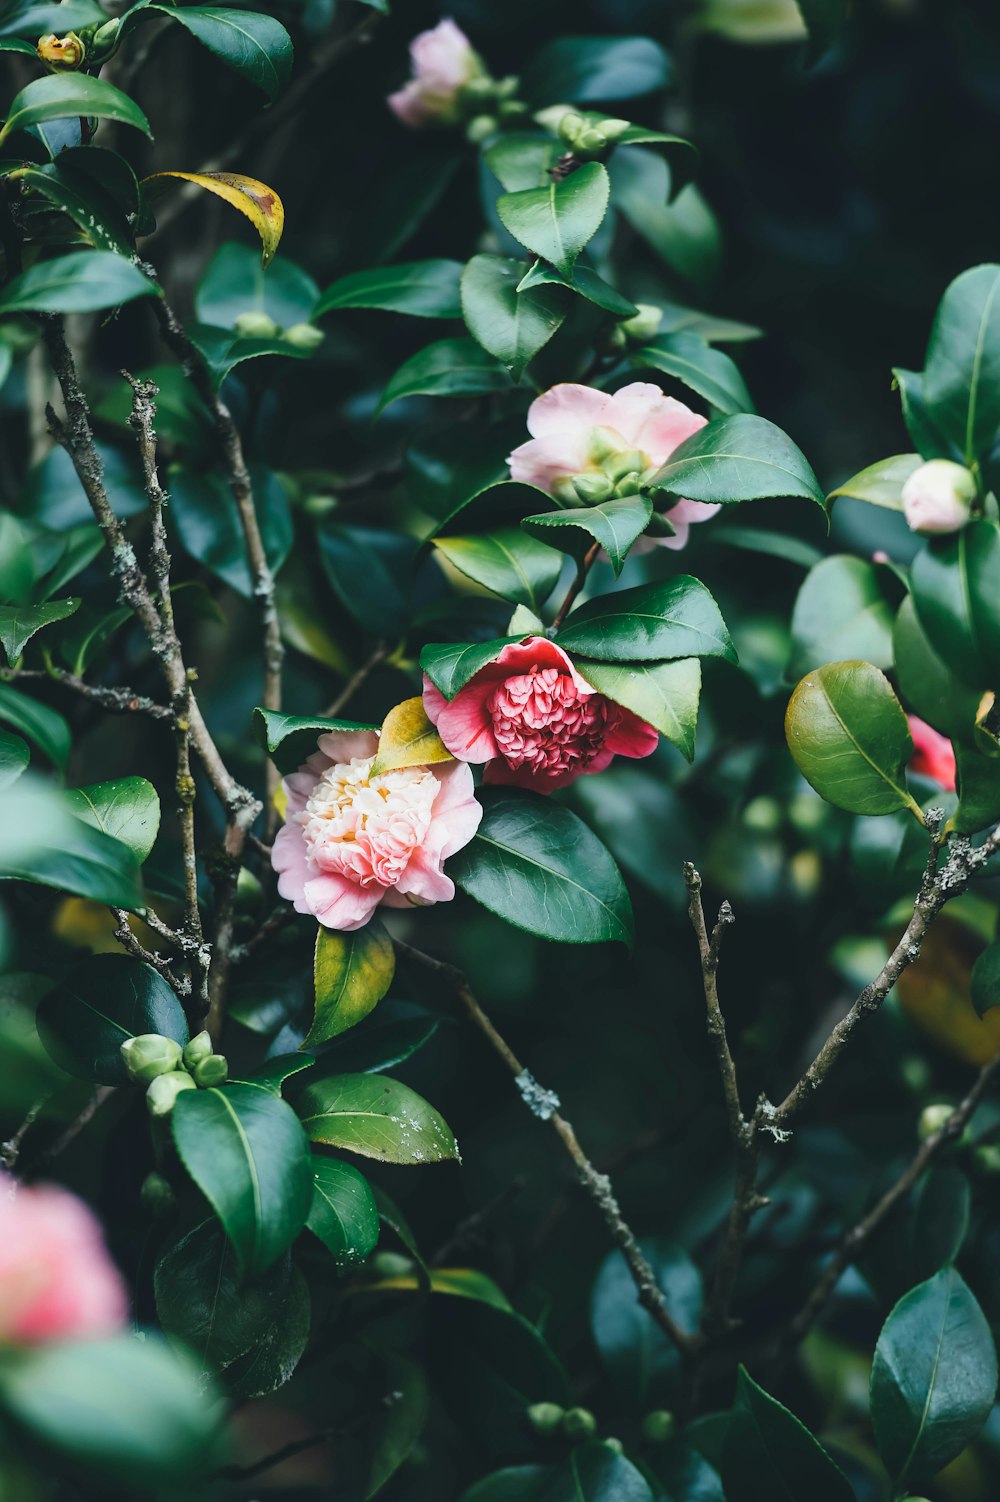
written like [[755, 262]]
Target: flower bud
[[591, 139], [506, 88], [987, 1158], [509, 108], [545, 1418], [156, 1196], [564, 490], [592, 489], [629, 461], [658, 1427], [104, 41], [932, 1119], [304, 336], [553, 115], [579, 1423], [570, 127], [197, 1049], [605, 445], [644, 324], [62, 54], [256, 324], [149, 1056], [480, 128], [938, 497], [211, 1071], [610, 1442], [164, 1090], [629, 484], [613, 129]]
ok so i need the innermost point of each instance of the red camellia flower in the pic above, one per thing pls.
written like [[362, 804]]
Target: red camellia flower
[[933, 755], [534, 720]]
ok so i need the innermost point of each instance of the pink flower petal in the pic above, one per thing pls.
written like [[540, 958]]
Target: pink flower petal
[[682, 517], [290, 859], [630, 736], [344, 745], [568, 408], [339, 903]]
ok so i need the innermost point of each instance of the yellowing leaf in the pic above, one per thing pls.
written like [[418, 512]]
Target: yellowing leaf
[[256, 200], [408, 739], [934, 994], [462, 1282]]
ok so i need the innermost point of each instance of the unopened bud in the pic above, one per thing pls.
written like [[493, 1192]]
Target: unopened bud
[[938, 497], [509, 108], [612, 1443], [553, 115], [197, 1049], [62, 54], [303, 336], [480, 128], [104, 42], [591, 139], [481, 88], [605, 444], [148, 1056], [644, 324], [626, 462], [614, 129], [592, 489], [506, 88], [211, 1071], [629, 484], [658, 1427], [579, 1423], [164, 1090], [570, 127], [256, 324], [932, 1119], [987, 1158], [545, 1418], [156, 1196]]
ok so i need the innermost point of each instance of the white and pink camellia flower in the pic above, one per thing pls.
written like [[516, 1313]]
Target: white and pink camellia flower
[[443, 63], [578, 430], [937, 497], [534, 720], [351, 841], [933, 754], [57, 1280]]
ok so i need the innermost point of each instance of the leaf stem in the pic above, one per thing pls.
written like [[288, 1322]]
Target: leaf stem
[[583, 569]]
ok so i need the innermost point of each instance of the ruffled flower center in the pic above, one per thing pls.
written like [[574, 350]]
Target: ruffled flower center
[[541, 721], [367, 827]]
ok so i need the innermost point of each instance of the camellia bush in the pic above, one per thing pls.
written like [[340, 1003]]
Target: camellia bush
[[499, 844]]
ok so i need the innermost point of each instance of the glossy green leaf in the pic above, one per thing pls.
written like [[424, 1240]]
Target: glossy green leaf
[[512, 324], [343, 1214], [590, 1473], [60, 95], [291, 739], [925, 684], [128, 809], [768, 1453], [557, 221], [535, 864], [84, 1020], [962, 375], [256, 46], [848, 735], [956, 592], [510, 564], [978, 782], [941, 1207], [615, 524], [522, 159], [451, 367], [934, 1378], [223, 350], [455, 1282], [424, 289], [664, 694], [88, 204], [881, 484], [589, 69], [639, 1358], [450, 665], [18, 623], [83, 281], [61, 851], [247, 1153], [678, 618], [391, 1035], [236, 283], [353, 971], [15, 754], [208, 524], [376, 1117], [272, 1074], [984, 983], [407, 738], [585, 282], [706, 371], [840, 613], [920, 421], [370, 571], [741, 458], [684, 233]]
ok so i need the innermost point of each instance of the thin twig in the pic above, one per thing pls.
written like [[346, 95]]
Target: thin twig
[[63, 1141], [469, 1232], [134, 946], [272, 924], [583, 570], [11, 1149], [353, 683], [119, 699]]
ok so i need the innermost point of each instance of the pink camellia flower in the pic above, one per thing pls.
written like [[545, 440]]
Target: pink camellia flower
[[443, 63], [578, 430], [534, 721], [57, 1280], [937, 497], [933, 755], [351, 841]]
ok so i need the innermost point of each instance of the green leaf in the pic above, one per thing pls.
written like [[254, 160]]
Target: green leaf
[[450, 665], [522, 159], [535, 864], [455, 1282], [247, 1153], [639, 1358], [87, 203], [678, 618], [343, 1215], [706, 371], [392, 1035], [741, 458], [353, 972], [557, 221], [956, 591], [588, 70], [84, 1020], [934, 1378], [14, 757], [376, 1117], [44, 727], [940, 1220], [408, 739], [511, 565], [128, 809], [768, 1453], [585, 282], [684, 233], [510, 323], [60, 95], [208, 524], [664, 694], [424, 289], [237, 283], [82, 282], [881, 484], [978, 783], [920, 422], [451, 367], [848, 735], [615, 524], [590, 1473], [273, 1073], [223, 350], [291, 739], [962, 376], [984, 983], [840, 612], [255, 46], [18, 623], [930, 689], [61, 851]]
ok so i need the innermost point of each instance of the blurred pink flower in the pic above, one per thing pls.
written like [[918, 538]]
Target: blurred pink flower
[[576, 430], [534, 721], [56, 1277], [351, 841], [937, 497], [443, 63], [933, 755]]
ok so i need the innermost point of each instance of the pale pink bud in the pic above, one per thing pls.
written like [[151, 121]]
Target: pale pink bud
[[443, 62], [938, 497]]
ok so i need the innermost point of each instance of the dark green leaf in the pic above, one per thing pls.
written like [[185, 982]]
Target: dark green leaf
[[451, 367], [343, 1215], [738, 458], [14, 757], [87, 203], [585, 282], [376, 1117], [769, 1453], [590, 69], [223, 350], [962, 377], [60, 95], [840, 612], [706, 371], [684, 233], [557, 221], [664, 694], [940, 1219], [255, 46], [109, 998], [920, 422], [353, 971], [370, 572], [61, 851], [637, 1355], [82, 282], [511, 565], [984, 984], [208, 523], [128, 809], [425, 289], [509, 323], [291, 739], [881, 484], [522, 159], [18, 623], [615, 524], [450, 665], [978, 782], [590, 1473], [676, 619], [925, 683], [44, 727], [956, 591], [395, 1032], [237, 283]]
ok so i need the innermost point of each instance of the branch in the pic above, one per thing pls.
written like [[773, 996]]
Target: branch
[[10, 1150], [353, 683], [583, 569], [63, 1141], [119, 699], [134, 946], [543, 1104]]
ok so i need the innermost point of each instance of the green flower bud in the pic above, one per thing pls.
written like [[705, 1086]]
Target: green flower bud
[[256, 324], [614, 1444], [570, 127], [617, 339], [629, 484], [591, 139], [764, 814], [211, 1071], [613, 129], [592, 489], [164, 1090], [605, 444], [932, 1119], [545, 1418], [510, 108], [303, 336], [481, 89], [644, 324], [987, 1158], [148, 1056], [579, 1423], [626, 462], [552, 116], [658, 1427], [506, 88], [156, 1196], [564, 490], [480, 128], [104, 42], [199, 1048]]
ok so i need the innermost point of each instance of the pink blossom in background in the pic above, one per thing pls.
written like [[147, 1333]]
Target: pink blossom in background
[[534, 720], [933, 755], [573, 427], [57, 1280], [443, 63], [351, 841], [937, 497]]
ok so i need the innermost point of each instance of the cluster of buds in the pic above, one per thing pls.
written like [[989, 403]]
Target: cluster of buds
[[255, 324], [639, 329], [586, 136], [620, 471], [90, 47], [166, 1069], [451, 86]]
